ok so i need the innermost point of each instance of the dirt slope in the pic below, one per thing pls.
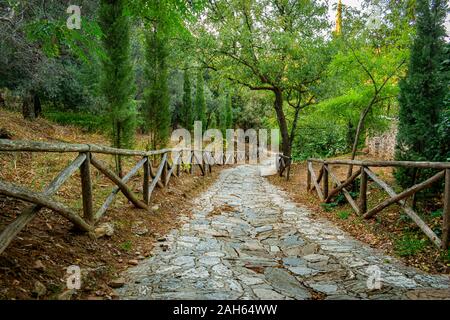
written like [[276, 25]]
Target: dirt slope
[[39, 257]]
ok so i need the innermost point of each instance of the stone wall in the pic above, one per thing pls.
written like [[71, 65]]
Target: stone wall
[[382, 145]]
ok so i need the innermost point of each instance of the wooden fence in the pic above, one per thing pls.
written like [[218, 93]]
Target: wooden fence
[[327, 185], [284, 165], [83, 162]]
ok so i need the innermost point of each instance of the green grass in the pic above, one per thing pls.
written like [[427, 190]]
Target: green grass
[[87, 121], [344, 215], [329, 206], [126, 246], [409, 245]]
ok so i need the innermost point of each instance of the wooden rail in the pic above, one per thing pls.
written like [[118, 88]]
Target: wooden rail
[[284, 165], [83, 163], [365, 173]]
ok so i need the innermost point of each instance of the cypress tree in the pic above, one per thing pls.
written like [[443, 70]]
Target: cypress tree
[[229, 112], [212, 121], [156, 109], [200, 103], [422, 93], [226, 114], [186, 111], [222, 114], [117, 81]]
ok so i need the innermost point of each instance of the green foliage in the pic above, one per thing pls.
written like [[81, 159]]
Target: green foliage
[[156, 112], [437, 214], [423, 93], [89, 122], [446, 255], [212, 122], [186, 111], [410, 245], [226, 113], [117, 82], [200, 103], [126, 246], [54, 37], [329, 206], [229, 112], [344, 215]]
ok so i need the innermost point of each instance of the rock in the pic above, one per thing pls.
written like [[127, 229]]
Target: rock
[[195, 273], [303, 271], [293, 241], [309, 249], [117, 283], [215, 254], [341, 297], [286, 283], [263, 229], [184, 261], [222, 270], [66, 295], [209, 261], [400, 281], [293, 262], [133, 262], [39, 289], [105, 229], [250, 281], [314, 258], [140, 231], [267, 294], [327, 288], [429, 294], [38, 265], [274, 249]]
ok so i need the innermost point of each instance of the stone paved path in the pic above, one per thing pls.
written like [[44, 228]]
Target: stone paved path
[[248, 241]]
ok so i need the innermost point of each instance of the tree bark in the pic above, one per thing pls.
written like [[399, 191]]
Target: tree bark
[[31, 106], [359, 130], [28, 107], [285, 138]]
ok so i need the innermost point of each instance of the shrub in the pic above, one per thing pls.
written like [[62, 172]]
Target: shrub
[[409, 245]]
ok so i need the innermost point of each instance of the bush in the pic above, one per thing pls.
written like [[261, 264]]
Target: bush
[[409, 245], [89, 122], [343, 215]]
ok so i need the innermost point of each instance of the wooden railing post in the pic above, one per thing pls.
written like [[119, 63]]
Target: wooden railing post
[[446, 213], [288, 173], [363, 192], [191, 168], [164, 171], [86, 189], [180, 157], [308, 180], [325, 180], [146, 183]]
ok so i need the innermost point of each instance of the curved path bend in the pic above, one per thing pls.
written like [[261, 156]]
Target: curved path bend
[[247, 240]]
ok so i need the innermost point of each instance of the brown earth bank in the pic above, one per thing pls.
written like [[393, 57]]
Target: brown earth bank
[[391, 230], [35, 264]]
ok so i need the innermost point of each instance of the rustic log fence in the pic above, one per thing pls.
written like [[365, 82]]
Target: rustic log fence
[[284, 165], [83, 162], [321, 184]]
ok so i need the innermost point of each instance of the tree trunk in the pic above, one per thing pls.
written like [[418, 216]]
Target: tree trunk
[[359, 130], [2, 101], [285, 139], [31, 106], [37, 106]]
